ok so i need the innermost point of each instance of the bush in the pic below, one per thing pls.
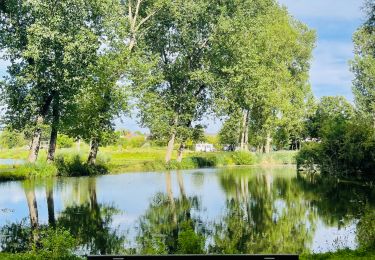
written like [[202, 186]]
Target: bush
[[73, 166], [11, 140], [133, 142], [64, 141], [366, 230], [308, 157], [347, 149], [242, 158], [56, 244]]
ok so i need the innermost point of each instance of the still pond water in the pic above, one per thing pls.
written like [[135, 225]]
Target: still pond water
[[236, 210]]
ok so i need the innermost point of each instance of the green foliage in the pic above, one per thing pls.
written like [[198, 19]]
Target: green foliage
[[73, 166], [366, 230], [64, 141], [363, 64], [38, 169], [242, 158], [52, 244], [132, 142], [344, 254], [346, 148], [56, 243], [11, 139], [189, 242], [308, 156]]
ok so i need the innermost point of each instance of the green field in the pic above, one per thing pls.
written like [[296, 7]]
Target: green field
[[118, 160]]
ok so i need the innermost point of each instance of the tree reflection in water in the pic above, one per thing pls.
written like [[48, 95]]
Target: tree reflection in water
[[265, 211], [168, 226], [89, 222], [264, 214]]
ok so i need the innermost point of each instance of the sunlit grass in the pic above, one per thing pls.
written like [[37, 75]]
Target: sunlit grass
[[117, 160]]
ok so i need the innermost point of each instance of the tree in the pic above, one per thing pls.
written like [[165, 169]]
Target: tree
[[50, 46], [363, 64], [263, 57], [180, 39]]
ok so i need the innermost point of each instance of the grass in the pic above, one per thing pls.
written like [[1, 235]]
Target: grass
[[344, 254], [71, 162]]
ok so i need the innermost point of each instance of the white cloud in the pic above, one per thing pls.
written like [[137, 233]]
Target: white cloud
[[330, 9], [330, 72]]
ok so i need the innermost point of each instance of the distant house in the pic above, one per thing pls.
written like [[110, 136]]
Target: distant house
[[204, 147]]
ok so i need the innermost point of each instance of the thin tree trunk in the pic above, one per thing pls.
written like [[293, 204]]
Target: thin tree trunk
[[35, 143], [33, 212], [180, 151], [52, 145], [168, 155], [246, 137], [54, 130], [94, 148], [50, 204], [268, 143], [243, 127]]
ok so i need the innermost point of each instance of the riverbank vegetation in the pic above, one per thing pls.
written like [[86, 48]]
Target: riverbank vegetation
[[74, 71], [113, 159], [213, 60], [346, 132]]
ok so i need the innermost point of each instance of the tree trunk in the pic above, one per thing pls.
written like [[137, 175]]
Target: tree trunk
[[50, 204], [94, 147], [54, 130], [268, 143], [243, 126], [246, 138], [33, 212], [52, 145], [35, 143], [168, 155], [180, 151]]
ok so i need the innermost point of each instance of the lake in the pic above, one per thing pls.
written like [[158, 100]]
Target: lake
[[230, 210]]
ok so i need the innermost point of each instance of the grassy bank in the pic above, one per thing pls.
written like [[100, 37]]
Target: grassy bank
[[71, 162], [344, 254], [341, 254]]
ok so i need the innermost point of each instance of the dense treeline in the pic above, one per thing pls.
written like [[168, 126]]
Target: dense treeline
[[77, 69], [346, 133]]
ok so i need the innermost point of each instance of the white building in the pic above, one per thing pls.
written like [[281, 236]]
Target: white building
[[204, 147]]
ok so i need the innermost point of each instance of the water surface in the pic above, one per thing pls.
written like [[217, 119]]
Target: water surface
[[234, 210]]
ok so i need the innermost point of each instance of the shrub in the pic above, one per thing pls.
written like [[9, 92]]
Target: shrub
[[64, 141], [56, 244], [308, 157], [242, 158], [366, 230], [73, 166], [11, 140]]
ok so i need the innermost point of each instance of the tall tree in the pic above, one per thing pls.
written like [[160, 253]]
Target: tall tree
[[263, 56], [180, 38], [50, 46], [363, 64]]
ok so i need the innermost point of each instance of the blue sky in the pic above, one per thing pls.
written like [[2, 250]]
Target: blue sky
[[335, 22]]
